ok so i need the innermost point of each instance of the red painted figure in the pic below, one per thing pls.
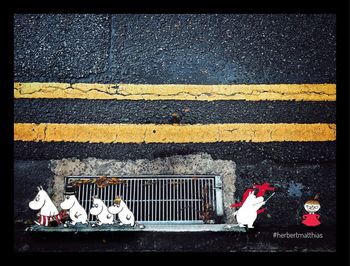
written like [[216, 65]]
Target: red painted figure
[[311, 219], [262, 189]]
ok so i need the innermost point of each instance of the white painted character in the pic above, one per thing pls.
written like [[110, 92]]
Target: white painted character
[[101, 211], [124, 214], [247, 214], [77, 212], [48, 211]]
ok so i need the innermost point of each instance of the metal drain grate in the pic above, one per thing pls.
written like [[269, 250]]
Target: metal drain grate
[[156, 199]]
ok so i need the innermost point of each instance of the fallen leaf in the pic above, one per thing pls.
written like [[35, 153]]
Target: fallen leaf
[[28, 221], [101, 182]]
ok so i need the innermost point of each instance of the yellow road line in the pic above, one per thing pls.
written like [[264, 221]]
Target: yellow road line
[[156, 133], [257, 92]]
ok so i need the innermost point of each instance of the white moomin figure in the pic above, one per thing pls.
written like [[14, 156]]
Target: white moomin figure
[[48, 211], [101, 211], [77, 212], [124, 214], [247, 214]]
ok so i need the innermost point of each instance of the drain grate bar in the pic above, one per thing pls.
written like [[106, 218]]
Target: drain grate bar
[[156, 199]]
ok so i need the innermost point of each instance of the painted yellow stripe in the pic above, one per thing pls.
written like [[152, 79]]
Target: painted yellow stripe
[[257, 92], [156, 133]]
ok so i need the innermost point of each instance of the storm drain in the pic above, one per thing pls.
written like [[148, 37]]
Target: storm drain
[[156, 199]]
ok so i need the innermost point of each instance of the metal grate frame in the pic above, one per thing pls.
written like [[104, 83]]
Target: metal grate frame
[[159, 199]]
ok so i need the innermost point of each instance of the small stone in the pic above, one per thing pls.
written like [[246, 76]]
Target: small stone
[[25, 247]]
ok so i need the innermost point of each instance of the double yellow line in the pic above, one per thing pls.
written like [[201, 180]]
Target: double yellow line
[[257, 92], [155, 133]]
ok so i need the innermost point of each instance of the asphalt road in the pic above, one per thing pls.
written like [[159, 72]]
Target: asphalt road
[[190, 49], [261, 240], [182, 49], [160, 112]]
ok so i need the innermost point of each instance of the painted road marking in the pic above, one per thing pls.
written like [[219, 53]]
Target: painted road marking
[[257, 92], [156, 133]]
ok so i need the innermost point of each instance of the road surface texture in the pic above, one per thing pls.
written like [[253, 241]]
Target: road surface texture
[[210, 49]]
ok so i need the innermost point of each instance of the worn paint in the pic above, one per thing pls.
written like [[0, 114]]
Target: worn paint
[[247, 92], [294, 189], [173, 133]]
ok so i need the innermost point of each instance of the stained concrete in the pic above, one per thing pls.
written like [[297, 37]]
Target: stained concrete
[[178, 228], [197, 164]]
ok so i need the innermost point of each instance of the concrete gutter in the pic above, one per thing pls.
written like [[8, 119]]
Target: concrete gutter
[[146, 228]]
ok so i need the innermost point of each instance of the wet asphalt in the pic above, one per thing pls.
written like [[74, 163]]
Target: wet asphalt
[[171, 48], [160, 112], [182, 49]]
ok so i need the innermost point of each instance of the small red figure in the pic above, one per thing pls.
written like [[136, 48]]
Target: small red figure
[[262, 189], [311, 219]]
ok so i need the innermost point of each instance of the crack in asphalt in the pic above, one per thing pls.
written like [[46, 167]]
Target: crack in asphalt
[[118, 91], [254, 92], [253, 134], [55, 88], [45, 129]]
